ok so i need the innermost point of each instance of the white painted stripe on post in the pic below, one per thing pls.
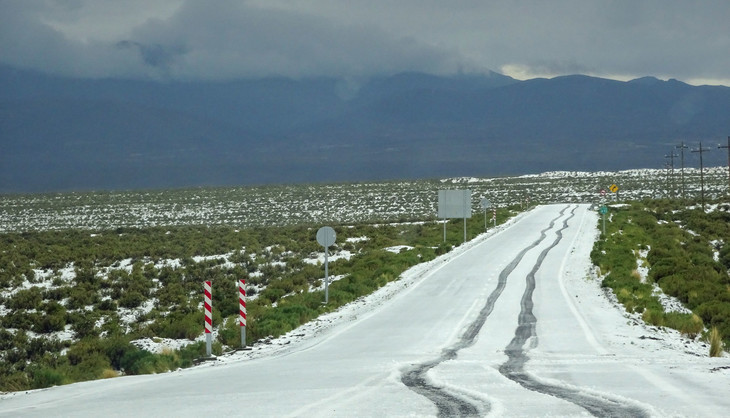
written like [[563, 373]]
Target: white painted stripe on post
[[208, 303]]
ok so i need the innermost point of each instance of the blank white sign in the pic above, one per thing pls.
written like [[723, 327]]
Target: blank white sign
[[454, 204]]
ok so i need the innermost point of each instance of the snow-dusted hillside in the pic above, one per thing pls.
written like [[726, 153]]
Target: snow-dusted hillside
[[336, 203]]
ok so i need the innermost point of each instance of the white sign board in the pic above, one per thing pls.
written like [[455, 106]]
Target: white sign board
[[454, 204]]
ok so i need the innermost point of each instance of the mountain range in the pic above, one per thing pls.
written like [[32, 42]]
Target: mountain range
[[61, 134]]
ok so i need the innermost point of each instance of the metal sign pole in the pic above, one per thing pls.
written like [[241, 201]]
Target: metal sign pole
[[464, 230], [326, 237], [326, 276]]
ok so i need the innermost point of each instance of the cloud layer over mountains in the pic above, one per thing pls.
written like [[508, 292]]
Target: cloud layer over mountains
[[226, 39]]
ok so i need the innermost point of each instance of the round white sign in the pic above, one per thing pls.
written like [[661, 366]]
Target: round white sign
[[326, 236]]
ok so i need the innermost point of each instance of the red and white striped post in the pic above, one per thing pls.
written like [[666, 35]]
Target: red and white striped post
[[208, 304], [242, 310]]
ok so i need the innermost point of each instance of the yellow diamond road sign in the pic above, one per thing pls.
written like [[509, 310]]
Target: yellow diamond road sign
[[613, 188]]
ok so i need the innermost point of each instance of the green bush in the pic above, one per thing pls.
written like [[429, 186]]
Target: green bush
[[26, 299], [43, 377]]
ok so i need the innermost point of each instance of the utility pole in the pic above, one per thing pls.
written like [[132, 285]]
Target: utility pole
[[671, 164], [681, 152], [728, 162], [702, 171]]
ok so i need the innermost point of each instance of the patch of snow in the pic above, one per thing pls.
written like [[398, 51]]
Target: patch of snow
[[319, 258], [158, 345], [332, 279], [398, 248]]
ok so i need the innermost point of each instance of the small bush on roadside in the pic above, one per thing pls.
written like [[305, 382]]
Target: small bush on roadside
[[716, 344], [43, 377]]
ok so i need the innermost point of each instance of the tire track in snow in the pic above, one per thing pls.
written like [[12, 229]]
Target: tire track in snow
[[513, 369], [448, 404]]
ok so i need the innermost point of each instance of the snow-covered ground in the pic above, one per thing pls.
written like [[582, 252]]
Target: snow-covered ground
[[513, 323]]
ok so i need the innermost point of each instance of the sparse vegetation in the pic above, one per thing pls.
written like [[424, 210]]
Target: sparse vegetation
[[80, 281], [111, 287], [684, 247]]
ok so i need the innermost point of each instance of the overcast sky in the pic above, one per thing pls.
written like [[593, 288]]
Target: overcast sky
[[222, 39]]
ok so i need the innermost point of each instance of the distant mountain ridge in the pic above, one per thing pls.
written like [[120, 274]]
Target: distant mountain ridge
[[69, 134]]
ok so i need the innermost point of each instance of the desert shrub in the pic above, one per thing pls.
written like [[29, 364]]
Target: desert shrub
[[14, 382], [83, 323], [81, 296], [57, 293], [131, 299], [272, 294], [107, 305], [26, 299], [138, 362], [181, 324], [21, 320], [654, 317], [171, 294], [43, 377], [115, 348], [87, 360], [229, 333], [54, 318], [689, 325]]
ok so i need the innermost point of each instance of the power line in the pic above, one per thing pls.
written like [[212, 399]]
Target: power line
[[702, 171], [682, 148], [671, 156], [728, 161]]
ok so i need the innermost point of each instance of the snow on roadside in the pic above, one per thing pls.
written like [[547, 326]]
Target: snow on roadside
[[670, 303], [587, 289], [324, 324]]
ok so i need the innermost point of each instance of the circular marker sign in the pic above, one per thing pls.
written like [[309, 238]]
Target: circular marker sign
[[326, 236]]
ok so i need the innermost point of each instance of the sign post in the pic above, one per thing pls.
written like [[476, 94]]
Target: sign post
[[614, 189], [454, 204], [603, 211], [485, 204], [326, 237]]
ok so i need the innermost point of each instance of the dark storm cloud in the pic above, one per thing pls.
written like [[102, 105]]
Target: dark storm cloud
[[235, 38], [220, 39]]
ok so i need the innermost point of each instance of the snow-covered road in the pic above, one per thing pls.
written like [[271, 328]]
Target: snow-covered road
[[511, 324]]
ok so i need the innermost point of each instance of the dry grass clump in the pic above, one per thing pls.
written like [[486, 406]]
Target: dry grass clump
[[715, 343]]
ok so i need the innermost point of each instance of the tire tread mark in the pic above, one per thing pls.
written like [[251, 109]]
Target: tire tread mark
[[513, 369], [414, 377]]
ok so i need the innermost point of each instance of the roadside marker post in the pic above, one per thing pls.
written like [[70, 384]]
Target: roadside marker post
[[242, 310], [208, 304], [485, 204]]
